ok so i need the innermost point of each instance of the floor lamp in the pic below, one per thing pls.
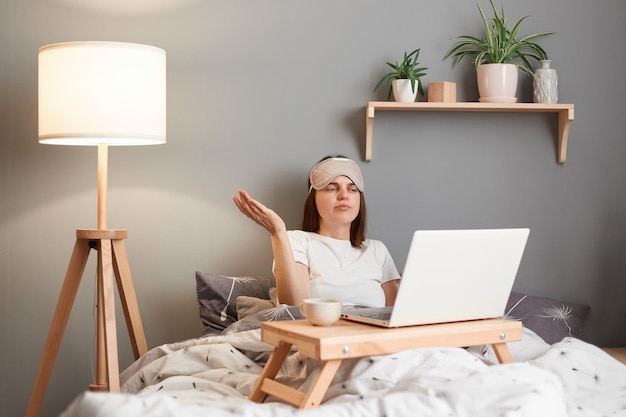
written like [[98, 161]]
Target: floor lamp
[[99, 94]]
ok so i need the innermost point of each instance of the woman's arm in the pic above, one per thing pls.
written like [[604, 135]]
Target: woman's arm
[[292, 278], [390, 288]]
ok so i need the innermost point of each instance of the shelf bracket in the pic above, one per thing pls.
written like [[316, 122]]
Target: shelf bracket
[[565, 120], [369, 128]]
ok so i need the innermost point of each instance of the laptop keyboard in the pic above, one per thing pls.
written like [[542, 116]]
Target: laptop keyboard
[[379, 315]]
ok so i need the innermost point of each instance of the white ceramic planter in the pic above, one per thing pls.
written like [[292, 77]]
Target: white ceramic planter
[[497, 83], [402, 91]]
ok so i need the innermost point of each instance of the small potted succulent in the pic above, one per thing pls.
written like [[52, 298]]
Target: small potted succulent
[[405, 79], [500, 46]]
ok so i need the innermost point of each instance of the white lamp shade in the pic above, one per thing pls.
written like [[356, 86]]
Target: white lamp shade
[[94, 93]]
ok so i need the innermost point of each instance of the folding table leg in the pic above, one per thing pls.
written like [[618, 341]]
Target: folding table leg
[[320, 385], [502, 352], [269, 371]]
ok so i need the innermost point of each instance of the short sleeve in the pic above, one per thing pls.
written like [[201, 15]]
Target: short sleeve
[[389, 270], [299, 241]]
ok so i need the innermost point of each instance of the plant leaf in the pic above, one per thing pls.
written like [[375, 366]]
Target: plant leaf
[[500, 44], [407, 69]]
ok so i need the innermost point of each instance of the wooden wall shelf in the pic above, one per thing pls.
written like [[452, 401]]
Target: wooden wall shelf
[[565, 114]]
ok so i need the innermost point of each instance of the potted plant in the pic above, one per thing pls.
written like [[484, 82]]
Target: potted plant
[[500, 46], [404, 77]]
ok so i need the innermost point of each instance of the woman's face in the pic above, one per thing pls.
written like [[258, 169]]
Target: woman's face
[[339, 203]]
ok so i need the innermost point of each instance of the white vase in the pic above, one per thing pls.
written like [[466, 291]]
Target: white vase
[[497, 83], [545, 84], [402, 90]]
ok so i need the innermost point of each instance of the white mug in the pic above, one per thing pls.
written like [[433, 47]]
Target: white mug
[[321, 311]]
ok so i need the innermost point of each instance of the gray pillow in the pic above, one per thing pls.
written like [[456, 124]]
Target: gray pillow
[[550, 318], [217, 297]]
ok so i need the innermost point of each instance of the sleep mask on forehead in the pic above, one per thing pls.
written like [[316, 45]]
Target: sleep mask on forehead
[[324, 172]]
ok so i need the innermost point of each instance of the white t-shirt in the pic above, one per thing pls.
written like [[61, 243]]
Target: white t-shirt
[[338, 270]]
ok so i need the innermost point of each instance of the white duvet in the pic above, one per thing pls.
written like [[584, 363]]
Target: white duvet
[[212, 376]]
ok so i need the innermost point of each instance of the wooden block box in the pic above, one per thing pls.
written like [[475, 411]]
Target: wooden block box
[[442, 92]]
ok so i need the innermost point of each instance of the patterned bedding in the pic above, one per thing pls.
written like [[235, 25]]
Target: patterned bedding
[[213, 375]]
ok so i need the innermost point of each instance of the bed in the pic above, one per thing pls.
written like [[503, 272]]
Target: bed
[[555, 373]]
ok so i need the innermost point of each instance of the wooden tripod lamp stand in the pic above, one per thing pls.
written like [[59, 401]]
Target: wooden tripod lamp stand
[[99, 94]]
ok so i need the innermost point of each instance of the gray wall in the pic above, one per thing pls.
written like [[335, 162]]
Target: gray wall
[[257, 92]]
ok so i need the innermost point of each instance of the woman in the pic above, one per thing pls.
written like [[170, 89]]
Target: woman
[[330, 256]]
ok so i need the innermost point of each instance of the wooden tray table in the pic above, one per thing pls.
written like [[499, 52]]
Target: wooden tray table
[[346, 339]]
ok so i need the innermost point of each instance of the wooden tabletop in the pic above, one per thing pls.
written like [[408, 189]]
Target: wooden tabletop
[[346, 339]]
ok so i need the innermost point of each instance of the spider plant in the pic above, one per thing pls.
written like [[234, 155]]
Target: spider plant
[[500, 44], [405, 70]]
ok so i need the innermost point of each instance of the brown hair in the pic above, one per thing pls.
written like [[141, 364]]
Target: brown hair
[[311, 217]]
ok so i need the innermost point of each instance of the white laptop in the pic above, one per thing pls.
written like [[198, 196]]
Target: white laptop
[[452, 275]]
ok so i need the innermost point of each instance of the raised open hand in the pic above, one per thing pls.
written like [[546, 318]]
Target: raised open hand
[[259, 213]]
